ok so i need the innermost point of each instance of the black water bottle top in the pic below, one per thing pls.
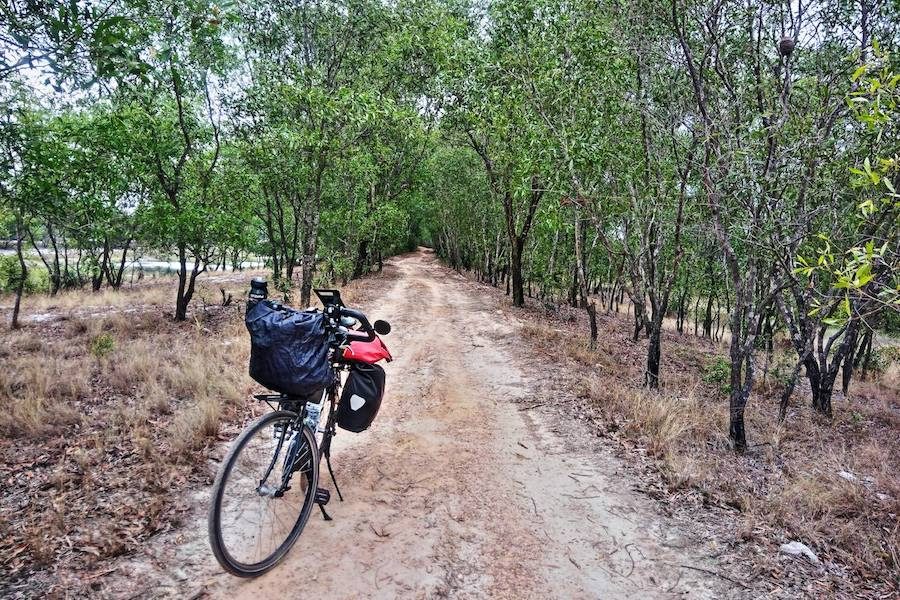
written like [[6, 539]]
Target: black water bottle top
[[258, 289]]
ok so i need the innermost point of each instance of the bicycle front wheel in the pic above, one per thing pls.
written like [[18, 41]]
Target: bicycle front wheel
[[263, 494]]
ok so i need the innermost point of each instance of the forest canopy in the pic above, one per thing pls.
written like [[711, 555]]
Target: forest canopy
[[730, 163]]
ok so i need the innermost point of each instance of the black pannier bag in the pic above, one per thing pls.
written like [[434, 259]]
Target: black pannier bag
[[288, 348], [361, 397]]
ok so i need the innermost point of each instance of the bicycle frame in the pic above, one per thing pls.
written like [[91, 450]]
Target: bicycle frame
[[298, 406]]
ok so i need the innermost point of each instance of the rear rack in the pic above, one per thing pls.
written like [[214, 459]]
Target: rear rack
[[271, 397], [278, 401]]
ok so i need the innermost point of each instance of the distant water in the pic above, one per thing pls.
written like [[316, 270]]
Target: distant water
[[173, 265], [152, 264]]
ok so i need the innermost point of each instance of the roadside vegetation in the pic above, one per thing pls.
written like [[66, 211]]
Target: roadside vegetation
[[111, 413], [833, 484], [108, 410]]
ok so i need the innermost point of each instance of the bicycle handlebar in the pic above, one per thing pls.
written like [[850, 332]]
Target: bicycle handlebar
[[363, 323], [368, 332]]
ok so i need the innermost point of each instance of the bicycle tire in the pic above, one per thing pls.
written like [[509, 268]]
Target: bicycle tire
[[221, 552]]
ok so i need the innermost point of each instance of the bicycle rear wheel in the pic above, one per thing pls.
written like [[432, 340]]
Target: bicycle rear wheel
[[254, 518]]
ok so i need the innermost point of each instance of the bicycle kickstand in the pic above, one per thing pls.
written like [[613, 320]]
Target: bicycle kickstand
[[322, 498], [325, 515], [326, 452]]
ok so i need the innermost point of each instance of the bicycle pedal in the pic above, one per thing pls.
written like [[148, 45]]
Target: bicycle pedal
[[322, 496]]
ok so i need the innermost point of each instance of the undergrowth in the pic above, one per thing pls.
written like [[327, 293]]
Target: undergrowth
[[833, 485]]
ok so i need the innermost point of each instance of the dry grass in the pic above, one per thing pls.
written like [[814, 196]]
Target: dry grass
[[891, 377], [196, 426], [664, 424], [110, 411], [37, 392], [153, 292], [100, 436], [789, 485], [145, 297]]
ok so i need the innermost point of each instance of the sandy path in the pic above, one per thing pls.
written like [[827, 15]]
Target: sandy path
[[456, 492]]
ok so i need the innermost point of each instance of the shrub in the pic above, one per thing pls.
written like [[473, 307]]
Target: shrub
[[11, 272], [718, 373], [102, 345], [782, 368], [884, 357]]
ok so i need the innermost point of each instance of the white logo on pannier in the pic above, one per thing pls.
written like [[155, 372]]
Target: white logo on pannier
[[356, 402]]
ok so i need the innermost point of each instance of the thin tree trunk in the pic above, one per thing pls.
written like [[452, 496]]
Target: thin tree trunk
[[868, 354], [696, 314], [654, 351], [847, 371], [708, 318], [180, 304], [116, 281], [308, 267], [518, 291], [23, 275], [581, 278]]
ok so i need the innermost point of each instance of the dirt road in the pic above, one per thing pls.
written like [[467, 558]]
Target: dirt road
[[457, 491]]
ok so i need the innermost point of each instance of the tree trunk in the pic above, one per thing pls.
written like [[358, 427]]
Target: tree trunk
[[736, 404], [116, 283], [828, 372], [180, 304], [741, 379], [812, 374], [638, 320], [868, 353], [654, 350], [696, 314], [23, 275], [573, 289], [681, 311], [707, 317], [737, 400], [847, 371], [362, 259], [59, 281], [102, 270], [308, 267], [581, 277], [551, 265], [592, 320], [518, 289], [825, 392]]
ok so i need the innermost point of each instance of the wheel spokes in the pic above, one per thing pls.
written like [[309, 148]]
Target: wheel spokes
[[264, 495]]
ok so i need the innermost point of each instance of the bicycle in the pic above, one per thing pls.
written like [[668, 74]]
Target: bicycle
[[273, 466]]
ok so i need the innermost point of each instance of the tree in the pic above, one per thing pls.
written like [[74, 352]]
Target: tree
[[488, 109], [177, 133]]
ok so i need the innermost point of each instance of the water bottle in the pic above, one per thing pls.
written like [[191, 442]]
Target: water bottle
[[259, 290], [313, 412]]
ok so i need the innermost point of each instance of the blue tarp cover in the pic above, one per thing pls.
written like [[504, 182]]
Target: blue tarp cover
[[288, 348]]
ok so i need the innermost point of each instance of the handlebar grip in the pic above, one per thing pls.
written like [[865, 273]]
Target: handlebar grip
[[363, 323]]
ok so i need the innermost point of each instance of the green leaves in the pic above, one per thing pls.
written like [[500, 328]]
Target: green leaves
[[863, 279]]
